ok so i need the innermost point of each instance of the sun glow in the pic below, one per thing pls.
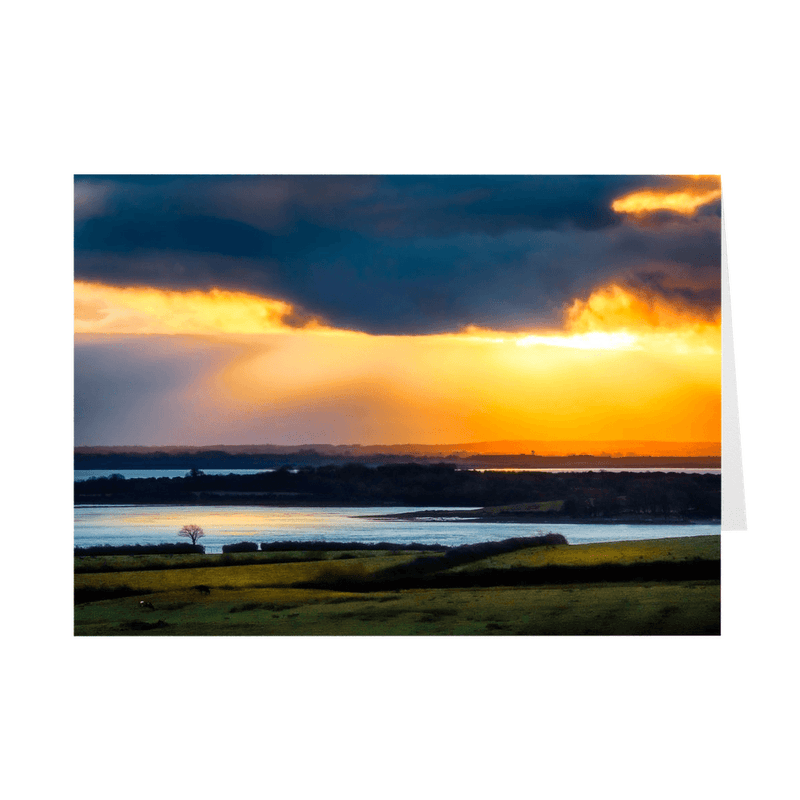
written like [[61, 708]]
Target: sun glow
[[596, 340], [624, 364], [652, 320], [614, 318]]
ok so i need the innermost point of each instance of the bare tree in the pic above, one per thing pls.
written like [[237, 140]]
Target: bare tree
[[193, 532]]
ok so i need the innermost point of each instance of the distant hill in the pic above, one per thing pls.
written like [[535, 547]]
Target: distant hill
[[612, 448]]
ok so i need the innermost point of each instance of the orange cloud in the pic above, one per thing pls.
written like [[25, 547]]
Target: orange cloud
[[698, 190], [652, 321], [615, 318], [146, 310], [612, 308]]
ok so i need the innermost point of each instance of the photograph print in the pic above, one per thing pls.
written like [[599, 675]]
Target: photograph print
[[397, 405]]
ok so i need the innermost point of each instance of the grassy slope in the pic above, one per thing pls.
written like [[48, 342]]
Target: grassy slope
[[162, 561], [255, 599], [671, 550]]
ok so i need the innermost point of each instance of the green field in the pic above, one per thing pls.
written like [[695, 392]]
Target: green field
[[553, 506], [300, 594]]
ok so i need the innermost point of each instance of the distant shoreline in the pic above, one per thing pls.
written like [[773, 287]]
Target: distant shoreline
[[117, 461], [506, 496], [481, 515]]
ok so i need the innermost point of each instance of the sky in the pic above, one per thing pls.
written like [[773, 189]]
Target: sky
[[396, 309]]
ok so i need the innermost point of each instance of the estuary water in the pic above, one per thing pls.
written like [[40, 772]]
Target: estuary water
[[86, 474], [118, 525]]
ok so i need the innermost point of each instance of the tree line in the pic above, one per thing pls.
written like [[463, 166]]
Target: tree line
[[584, 494]]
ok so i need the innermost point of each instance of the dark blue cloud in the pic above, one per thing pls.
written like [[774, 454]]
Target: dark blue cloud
[[137, 232], [400, 254], [499, 204]]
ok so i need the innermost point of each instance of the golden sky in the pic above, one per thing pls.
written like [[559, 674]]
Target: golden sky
[[622, 367], [228, 366]]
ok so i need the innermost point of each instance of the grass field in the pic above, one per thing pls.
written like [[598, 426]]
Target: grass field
[[554, 506], [247, 596], [154, 562]]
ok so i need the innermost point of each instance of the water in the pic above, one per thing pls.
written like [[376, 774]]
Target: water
[[118, 525], [688, 470], [85, 474]]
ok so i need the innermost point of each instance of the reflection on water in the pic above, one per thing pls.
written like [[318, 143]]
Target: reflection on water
[[116, 525]]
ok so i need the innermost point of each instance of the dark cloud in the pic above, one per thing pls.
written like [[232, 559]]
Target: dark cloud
[[700, 300], [400, 254], [143, 232], [495, 205]]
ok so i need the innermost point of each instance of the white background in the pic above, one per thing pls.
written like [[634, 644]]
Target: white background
[[618, 87]]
